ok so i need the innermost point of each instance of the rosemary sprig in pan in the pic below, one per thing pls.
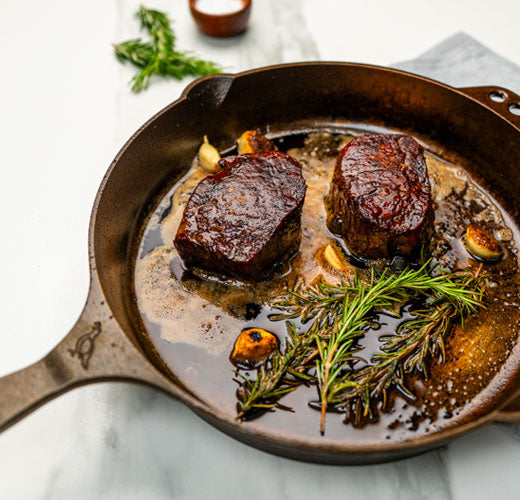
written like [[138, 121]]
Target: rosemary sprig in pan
[[317, 302], [403, 353], [322, 302], [272, 380], [458, 290], [159, 56], [339, 315]]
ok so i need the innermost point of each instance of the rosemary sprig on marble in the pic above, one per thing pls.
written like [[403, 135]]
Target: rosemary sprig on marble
[[339, 315], [159, 55]]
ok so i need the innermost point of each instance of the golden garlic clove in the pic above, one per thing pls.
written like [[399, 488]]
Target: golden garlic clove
[[254, 344], [333, 259], [481, 244], [252, 141], [209, 156]]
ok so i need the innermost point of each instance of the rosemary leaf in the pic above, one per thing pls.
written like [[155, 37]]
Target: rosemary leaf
[[136, 51], [158, 25]]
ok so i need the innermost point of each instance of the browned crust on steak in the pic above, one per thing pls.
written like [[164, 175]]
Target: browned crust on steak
[[245, 219], [379, 200]]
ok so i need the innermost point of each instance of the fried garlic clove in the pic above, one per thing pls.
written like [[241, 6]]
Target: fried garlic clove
[[209, 156], [254, 344], [481, 244], [252, 141], [333, 259]]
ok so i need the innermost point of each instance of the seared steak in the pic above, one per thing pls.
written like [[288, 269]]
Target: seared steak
[[379, 200], [245, 219]]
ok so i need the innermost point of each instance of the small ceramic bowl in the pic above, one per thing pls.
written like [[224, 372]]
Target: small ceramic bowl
[[221, 25]]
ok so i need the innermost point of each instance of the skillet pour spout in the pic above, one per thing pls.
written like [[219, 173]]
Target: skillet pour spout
[[108, 342]]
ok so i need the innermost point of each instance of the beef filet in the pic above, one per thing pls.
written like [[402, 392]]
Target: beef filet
[[245, 219], [379, 200]]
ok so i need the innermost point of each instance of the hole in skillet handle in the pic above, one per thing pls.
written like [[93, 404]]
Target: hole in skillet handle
[[514, 108], [498, 96]]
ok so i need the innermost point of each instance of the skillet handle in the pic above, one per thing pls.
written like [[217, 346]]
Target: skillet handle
[[504, 102], [95, 350]]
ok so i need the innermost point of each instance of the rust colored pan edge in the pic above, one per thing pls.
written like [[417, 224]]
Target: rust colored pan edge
[[100, 348]]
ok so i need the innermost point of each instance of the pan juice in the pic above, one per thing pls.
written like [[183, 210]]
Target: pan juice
[[192, 318]]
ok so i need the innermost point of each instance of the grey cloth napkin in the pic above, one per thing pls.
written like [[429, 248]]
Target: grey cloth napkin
[[461, 61]]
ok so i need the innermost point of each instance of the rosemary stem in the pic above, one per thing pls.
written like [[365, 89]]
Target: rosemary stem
[[159, 55], [327, 365]]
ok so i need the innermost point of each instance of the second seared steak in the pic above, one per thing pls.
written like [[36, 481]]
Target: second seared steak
[[245, 219], [379, 200]]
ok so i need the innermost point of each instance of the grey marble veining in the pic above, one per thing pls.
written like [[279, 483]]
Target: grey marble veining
[[279, 35], [176, 455]]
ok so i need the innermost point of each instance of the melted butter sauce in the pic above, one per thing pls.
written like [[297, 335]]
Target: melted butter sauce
[[193, 318]]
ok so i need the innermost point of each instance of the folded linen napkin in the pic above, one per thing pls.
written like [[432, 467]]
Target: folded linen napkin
[[461, 61]]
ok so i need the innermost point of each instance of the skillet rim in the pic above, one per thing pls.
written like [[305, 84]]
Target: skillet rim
[[250, 432]]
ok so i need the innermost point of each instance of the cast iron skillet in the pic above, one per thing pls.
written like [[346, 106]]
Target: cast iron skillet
[[476, 125]]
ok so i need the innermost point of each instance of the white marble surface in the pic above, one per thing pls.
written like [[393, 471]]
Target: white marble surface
[[66, 110]]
